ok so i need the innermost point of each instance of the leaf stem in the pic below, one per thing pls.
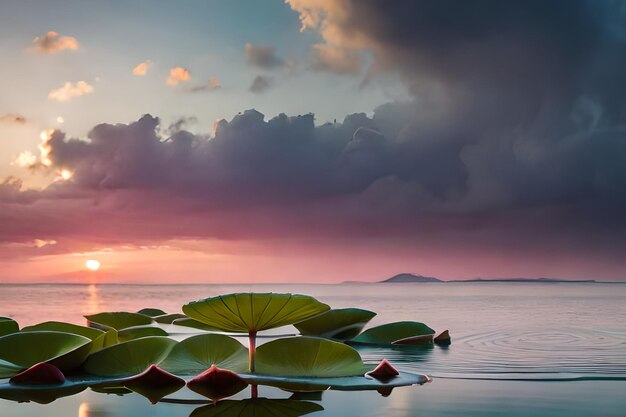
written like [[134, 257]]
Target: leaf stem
[[252, 339]]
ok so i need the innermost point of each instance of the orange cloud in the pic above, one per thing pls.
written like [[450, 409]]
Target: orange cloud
[[141, 69], [177, 74], [12, 118], [52, 42], [69, 91]]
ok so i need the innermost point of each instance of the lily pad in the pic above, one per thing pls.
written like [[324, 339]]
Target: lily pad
[[66, 351], [257, 407], [308, 357], [216, 383], [137, 332], [117, 320], [194, 324], [168, 318], [347, 383], [401, 332], [57, 326], [197, 353], [44, 395], [151, 312], [8, 369], [340, 324], [252, 312], [8, 326], [129, 358]]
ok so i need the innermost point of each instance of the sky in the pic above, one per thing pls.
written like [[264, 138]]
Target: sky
[[312, 140]]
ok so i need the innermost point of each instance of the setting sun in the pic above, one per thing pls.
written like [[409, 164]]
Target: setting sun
[[92, 264]]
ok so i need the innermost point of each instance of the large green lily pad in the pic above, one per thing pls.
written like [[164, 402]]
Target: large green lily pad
[[8, 326], [8, 369], [66, 351], [129, 358], [57, 326], [401, 332], [197, 353], [257, 407], [118, 320], [340, 324], [193, 324], [252, 312], [308, 357]]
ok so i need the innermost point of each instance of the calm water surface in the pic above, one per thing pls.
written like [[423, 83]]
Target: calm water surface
[[518, 349]]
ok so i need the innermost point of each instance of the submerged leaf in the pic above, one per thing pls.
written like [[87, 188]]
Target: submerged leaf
[[129, 358], [151, 312], [252, 312], [257, 407], [308, 356], [340, 324], [66, 351], [401, 332], [137, 332], [8, 326], [117, 320], [197, 353]]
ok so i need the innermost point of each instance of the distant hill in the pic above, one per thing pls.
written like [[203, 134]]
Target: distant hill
[[410, 278]]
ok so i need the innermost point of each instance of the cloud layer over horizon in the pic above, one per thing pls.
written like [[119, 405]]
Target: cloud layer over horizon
[[512, 145]]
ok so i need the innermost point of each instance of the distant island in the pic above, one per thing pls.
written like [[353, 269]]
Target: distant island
[[412, 278]]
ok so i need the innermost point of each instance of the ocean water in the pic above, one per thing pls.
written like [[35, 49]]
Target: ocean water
[[518, 349]]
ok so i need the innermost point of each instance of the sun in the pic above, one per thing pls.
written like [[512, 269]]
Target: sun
[[92, 264]]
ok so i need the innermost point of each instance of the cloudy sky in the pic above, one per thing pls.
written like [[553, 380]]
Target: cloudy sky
[[312, 140]]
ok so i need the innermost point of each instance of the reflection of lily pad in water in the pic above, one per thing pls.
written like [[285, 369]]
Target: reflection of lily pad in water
[[66, 351], [257, 407], [217, 383], [340, 324], [40, 396], [398, 333], [197, 353]]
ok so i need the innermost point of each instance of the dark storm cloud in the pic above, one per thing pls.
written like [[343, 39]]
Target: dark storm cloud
[[514, 140], [260, 84], [263, 56]]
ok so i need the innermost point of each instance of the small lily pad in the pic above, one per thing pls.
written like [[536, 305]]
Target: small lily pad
[[194, 324], [66, 351], [168, 318], [8, 326], [117, 320], [151, 312], [339, 324], [401, 332], [137, 332], [257, 407], [197, 353], [308, 357], [129, 358], [39, 374]]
